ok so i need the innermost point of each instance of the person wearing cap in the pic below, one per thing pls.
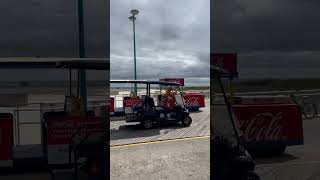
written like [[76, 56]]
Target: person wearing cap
[[168, 97], [169, 91], [132, 94]]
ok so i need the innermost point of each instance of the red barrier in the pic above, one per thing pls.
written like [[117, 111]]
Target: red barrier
[[112, 105], [6, 139], [270, 123], [194, 100], [129, 102], [60, 130]]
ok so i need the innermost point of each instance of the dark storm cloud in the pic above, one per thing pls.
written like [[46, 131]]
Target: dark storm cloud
[[269, 35], [172, 39], [49, 28]]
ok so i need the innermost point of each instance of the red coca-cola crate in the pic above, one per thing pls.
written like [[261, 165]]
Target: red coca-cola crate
[[61, 128], [112, 105], [6, 139], [194, 100], [129, 102], [266, 125]]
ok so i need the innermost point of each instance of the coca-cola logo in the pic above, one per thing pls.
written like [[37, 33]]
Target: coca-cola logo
[[192, 101], [132, 102], [262, 127]]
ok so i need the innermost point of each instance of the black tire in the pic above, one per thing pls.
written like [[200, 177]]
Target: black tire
[[309, 110], [186, 121], [147, 124], [251, 176]]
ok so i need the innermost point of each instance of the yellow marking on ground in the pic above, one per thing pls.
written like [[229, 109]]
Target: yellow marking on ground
[[159, 141]]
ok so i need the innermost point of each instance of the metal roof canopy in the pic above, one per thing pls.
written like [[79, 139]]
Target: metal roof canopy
[[147, 83], [58, 63], [144, 82]]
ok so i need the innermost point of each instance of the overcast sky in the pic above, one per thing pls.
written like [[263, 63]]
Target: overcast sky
[[49, 28], [274, 39], [172, 39]]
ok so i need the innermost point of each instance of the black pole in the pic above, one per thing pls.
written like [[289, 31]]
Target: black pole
[[134, 51], [70, 81], [78, 84], [82, 72]]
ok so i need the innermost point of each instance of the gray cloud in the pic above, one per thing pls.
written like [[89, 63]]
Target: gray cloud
[[50, 28], [270, 36], [172, 39], [170, 32]]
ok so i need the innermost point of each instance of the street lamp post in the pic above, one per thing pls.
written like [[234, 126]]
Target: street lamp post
[[133, 18], [82, 73]]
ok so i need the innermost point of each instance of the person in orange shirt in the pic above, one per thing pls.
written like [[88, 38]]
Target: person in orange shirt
[[169, 98], [169, 91], [132, 94]]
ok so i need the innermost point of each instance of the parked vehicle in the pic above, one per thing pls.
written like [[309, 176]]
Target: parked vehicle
[[169, 108], [268, 123]]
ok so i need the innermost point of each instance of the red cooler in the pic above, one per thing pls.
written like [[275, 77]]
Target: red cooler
[[6, 140], [269, 121]]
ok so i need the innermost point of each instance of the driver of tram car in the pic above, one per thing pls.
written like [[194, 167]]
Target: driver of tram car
[[169, 91], [132, 94], [168, 97]]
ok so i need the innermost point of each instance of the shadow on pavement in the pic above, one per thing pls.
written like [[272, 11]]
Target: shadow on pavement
[[29, 169], [11, 174], [136, 131], [195, 112], [270, 159]]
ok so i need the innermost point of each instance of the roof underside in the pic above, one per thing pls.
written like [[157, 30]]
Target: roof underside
[[144, 82], [59, 63]]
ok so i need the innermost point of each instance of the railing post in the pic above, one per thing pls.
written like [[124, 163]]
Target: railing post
[[41, 123], [18, 124]]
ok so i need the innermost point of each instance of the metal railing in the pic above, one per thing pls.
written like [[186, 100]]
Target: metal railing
[[308, 100]]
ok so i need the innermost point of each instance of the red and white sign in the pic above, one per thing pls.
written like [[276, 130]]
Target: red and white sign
[[270, 122], [226, 61], [6, 139], [175, 80], [168, 101], [195, 100], [60, 131], [129, 102], [112, 105]]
